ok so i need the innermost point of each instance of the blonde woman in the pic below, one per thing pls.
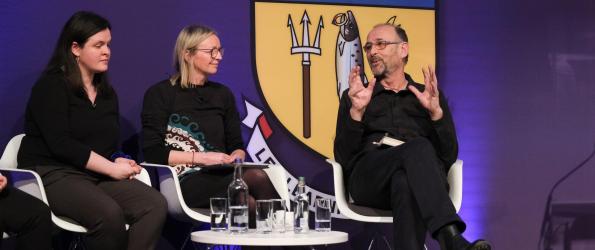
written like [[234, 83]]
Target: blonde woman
[[189, 120]]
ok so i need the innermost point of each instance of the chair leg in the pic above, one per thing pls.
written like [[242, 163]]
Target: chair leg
[[386, 242], [187, 239], [371, 243], [77, 242], [373, 240]]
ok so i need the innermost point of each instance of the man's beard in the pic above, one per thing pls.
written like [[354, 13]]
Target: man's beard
[[380, 69]]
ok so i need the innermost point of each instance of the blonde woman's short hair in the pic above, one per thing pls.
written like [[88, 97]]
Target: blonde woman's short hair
[[190, 37]]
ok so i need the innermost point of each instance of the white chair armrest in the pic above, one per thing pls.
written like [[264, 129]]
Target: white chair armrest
[[169, 186], [29, 182]]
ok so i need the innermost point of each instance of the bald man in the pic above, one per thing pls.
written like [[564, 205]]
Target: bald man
[[409, 179]]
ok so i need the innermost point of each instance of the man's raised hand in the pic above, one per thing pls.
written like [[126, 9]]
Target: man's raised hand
[[358, 94], [430, 98]]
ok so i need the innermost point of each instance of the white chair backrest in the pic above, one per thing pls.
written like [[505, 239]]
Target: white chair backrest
[[29, 182], [455, 181], [278, 176], [170, 187], [348, 209], [9, 157]]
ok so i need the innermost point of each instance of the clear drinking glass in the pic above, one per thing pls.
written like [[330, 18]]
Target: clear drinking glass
[[264, 216], [279, 209], [218, 214], [322, 221]]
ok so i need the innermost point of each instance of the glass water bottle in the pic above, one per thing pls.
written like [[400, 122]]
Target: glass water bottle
[[237, 194], [301, 209]]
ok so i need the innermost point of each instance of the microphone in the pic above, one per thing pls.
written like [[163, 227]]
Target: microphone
[[547, 223]]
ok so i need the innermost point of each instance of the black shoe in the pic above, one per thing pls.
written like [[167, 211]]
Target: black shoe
[[480, 245], [450, 238]]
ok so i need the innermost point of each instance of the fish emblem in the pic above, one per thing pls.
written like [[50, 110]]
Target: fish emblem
[[348, 51]]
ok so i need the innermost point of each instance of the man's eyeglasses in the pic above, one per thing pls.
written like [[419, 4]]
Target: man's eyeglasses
[[214, 51], [380, 45]]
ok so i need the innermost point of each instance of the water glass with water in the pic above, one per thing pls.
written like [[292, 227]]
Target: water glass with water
[[322, 220], [264, 216], [218, 214], [289, 221], [279, 209]]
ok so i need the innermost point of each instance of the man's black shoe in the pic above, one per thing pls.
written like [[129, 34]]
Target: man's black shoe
[[480, 245], [450, 238]]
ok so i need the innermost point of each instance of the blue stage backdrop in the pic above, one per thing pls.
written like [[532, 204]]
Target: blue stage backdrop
[[518, 74]]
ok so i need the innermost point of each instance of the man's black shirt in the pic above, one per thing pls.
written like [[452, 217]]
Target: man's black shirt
[[398, 114]]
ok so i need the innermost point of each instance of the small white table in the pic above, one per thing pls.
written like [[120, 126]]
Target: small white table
[[251, 238]]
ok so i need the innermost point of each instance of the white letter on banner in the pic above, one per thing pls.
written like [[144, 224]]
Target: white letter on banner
[[252, 114], [260, 152]]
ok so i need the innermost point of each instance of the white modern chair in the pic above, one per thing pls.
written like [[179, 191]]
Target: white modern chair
[[169, 186], [373, 215], [29, 182]]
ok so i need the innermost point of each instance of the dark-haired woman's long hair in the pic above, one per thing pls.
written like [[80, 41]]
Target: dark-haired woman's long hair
[[78, 28]]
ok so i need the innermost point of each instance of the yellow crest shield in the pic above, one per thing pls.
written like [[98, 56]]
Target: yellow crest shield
[[304, 52]]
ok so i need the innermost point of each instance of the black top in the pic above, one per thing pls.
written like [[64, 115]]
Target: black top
[[398, 114], [202, 118], [62, 127]]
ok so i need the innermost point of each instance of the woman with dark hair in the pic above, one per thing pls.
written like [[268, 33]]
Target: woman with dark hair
[[72, 130], [191, 121]]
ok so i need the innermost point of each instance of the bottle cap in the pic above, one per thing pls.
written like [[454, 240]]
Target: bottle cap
[[301, 180]]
